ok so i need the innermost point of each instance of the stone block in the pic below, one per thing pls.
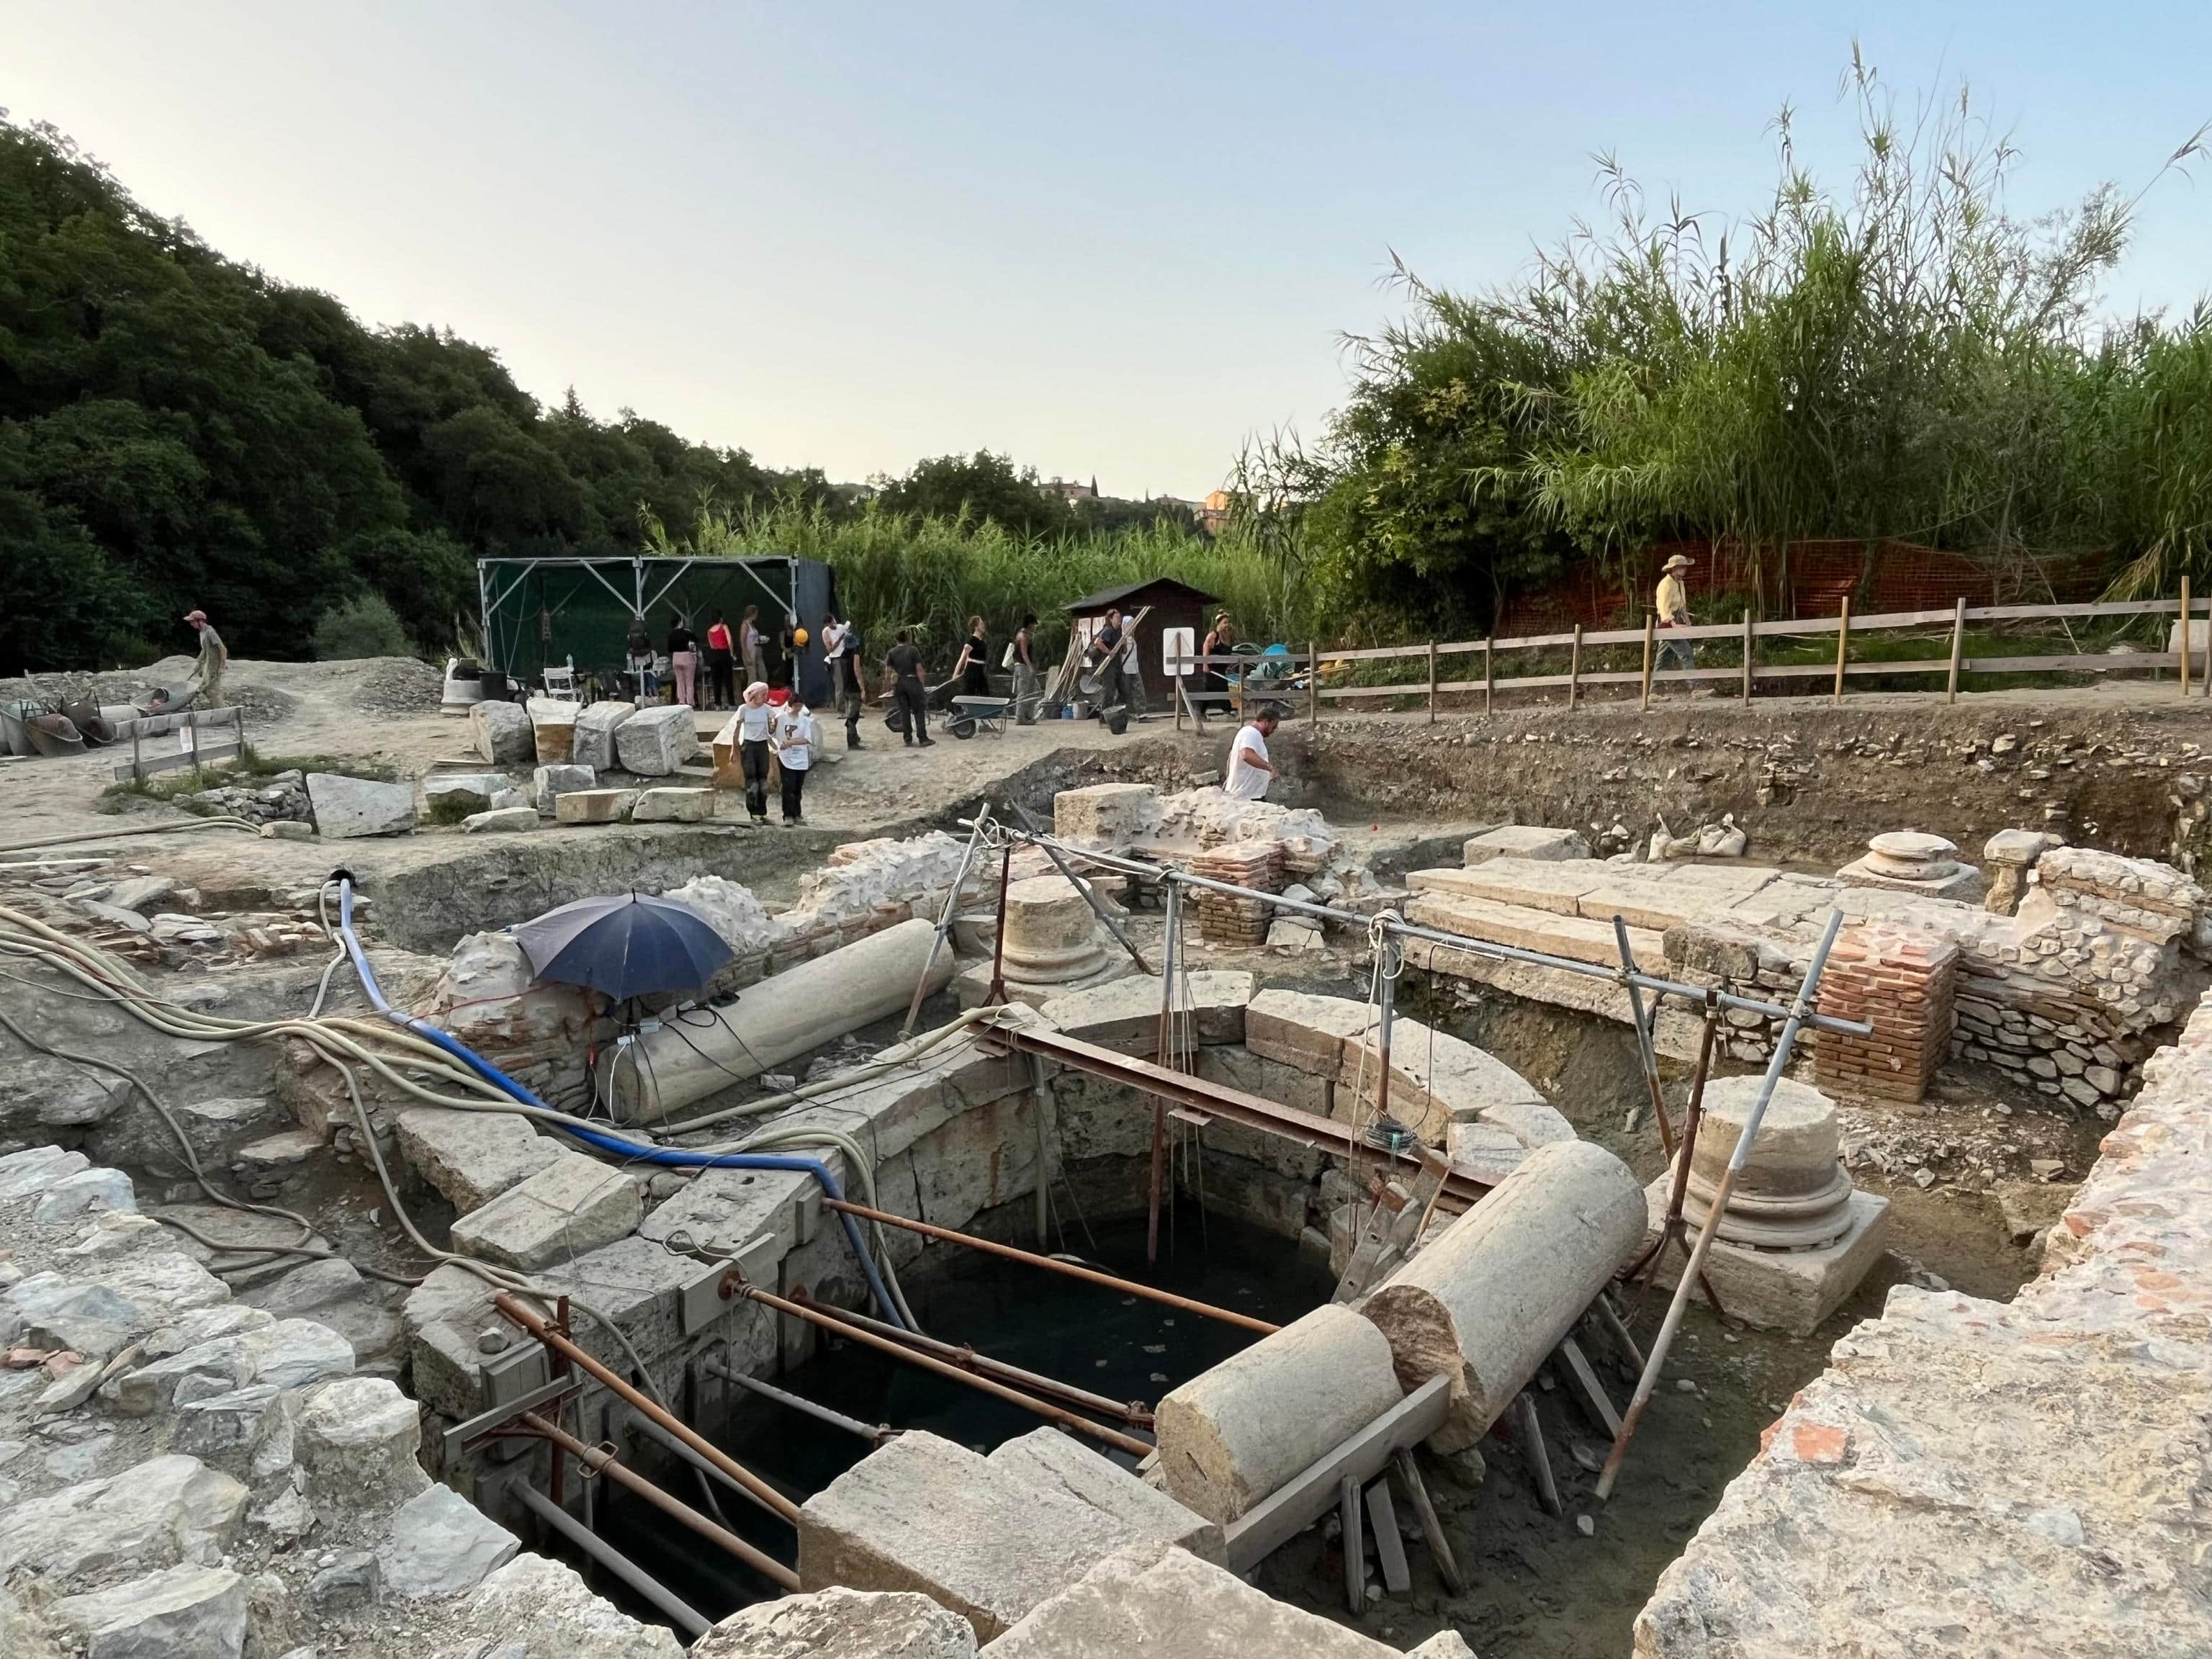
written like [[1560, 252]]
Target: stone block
[[1790, 1290], [553, 728], [593, 806], [635, 1283], [1174, 1606], [725, 1209], [500, 733], [1052, 1459], [440, 1544], [357, 1439], [506, 820], [844, 1623], [574, 1204], [441, 1319], [922, 1513], [549, 783], [653, 741], [1125, 1014], [596, 727], [247, 1431], [1523, 841], [349, 808], [1106, 817], [471, 790], [673, 805], [471, 1157], [1312, 1034], [183, 1612]]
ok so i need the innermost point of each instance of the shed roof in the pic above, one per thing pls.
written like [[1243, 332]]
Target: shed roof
[[1156, 590]]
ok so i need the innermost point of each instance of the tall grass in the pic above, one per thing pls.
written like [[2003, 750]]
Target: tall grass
[[931, 575]]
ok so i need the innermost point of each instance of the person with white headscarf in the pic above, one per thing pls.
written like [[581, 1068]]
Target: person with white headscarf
[[749, 731], [794, 737]]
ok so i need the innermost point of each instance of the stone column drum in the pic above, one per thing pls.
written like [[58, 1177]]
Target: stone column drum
[[1487, 1300], [1051, 933], [1232, 1436], [1793, 1192]]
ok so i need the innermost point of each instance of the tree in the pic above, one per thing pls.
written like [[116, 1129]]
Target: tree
[[983, 488]]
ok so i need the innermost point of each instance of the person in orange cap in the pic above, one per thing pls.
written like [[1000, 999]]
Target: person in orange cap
[[208, 670]]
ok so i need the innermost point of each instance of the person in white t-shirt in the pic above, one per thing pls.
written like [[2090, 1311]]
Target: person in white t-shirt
[[1250, 769], [793, 738], [748, 732]]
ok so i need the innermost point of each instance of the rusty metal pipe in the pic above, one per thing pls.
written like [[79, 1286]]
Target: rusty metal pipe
[[602, 1462], [540, 1328], [1133, 1412], [1067, 1420], [1089, 1275]]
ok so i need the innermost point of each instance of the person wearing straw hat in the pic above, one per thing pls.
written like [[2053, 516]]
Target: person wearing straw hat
[[1671, 603], [208, 670]]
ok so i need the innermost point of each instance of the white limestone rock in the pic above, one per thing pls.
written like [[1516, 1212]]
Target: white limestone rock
[[596, 728], [440, 1544], [572, 1205], [357, 1439], [165, 1511], [506, 820], [594, 806], [501, 733], [86, 1191], [290, 1353], [539, 1607], [180, 1613], [471, 1157], [471, 790], [653, 741], [672, 806], [1050, 1458], [352, 808], [549, 783], [846, 1623], [36, 1169]]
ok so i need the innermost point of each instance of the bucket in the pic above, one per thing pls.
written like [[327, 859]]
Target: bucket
[[13, 740]]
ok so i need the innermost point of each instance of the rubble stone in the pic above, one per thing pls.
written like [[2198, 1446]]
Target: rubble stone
[[86, 1191], [471, 1157], [553, 727], [357, 1438], [1523, 841], [538, 1608], [180, 1613], [655, 742], [505, 820], [440, 1543], [846, 1623], [167, 1509], [471, 790]]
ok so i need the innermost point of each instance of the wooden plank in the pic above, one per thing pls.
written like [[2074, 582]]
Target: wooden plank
[[2102, 663], [202, 756], [1355, 1546], [1305, 1497], [1843, 644], [1530, 1430], [1417, 1494], [1587, 1387], [1389, 1548]]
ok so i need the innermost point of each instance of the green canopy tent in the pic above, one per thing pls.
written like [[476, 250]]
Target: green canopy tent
[[559, 611]]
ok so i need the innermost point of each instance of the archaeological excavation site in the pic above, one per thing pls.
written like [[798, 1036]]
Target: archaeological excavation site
[[1699, 1183]]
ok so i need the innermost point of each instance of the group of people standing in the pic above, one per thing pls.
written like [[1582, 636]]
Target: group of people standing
[[708, 678]]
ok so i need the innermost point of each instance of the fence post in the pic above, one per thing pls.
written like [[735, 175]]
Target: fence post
[[2184, 639], [1650, 623], [1957, 646], [1432, 673], [1313, 683], [1574, 670], [137, 770], [1747, 659], [1489, 675], [1843, 644]]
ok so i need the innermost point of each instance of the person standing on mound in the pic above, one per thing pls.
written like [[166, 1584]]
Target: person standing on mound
[[908, 689]]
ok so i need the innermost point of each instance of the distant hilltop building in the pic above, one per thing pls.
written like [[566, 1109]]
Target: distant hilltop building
[[1072, 489], [1213, 512]]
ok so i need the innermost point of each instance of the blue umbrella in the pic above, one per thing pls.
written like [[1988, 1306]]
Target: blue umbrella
[[626, 947]]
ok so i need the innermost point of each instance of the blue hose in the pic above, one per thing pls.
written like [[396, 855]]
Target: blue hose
[[635, 1152]]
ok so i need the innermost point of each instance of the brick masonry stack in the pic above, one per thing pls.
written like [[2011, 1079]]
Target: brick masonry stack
[[1224, 920], [1902, 981]]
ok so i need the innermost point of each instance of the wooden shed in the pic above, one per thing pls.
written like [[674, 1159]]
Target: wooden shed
[[1169, 605]]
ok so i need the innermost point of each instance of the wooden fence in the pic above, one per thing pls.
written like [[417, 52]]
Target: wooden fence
[[1747, 672]]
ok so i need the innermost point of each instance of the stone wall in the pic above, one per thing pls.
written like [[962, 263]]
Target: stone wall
[[1984, 1479]]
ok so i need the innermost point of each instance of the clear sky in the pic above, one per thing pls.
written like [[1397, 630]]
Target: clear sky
[[1111, 240]]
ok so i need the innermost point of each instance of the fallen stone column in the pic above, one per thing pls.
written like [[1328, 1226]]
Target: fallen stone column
[[1486, 1300], [1232, 1437], [814, 1003]]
